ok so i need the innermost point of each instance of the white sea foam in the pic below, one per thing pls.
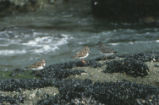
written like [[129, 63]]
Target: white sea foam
[[157, 41], [131, 43], [4, 45], [12, 52], [114, 44], [45, 44], [37, 42]]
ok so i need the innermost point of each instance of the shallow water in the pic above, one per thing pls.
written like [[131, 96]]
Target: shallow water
[[55, 34]]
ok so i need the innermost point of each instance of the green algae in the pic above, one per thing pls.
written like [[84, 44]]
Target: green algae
[[13, 75]]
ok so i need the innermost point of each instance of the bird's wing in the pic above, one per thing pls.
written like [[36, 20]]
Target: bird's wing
[[35, 65], [106, 49]]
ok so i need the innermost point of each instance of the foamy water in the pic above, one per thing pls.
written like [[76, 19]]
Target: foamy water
[[22, 47], [12, 52], [36, 43], [56, 34]]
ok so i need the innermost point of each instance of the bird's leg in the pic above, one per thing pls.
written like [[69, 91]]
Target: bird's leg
[[83, 61]]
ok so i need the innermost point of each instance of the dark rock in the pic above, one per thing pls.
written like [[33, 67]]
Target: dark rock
[[73, 88], [51, 1], [71, 64], [66, 65], [50, 72], [129, 66], [125, 9], [77, 101], [93, 63], [17, 84], [142, 57], [4, 4], [52, 101], [107, 93], [10, 100], [149, 100], [13, 6], [145, 57], [156, 65], [104, 57]]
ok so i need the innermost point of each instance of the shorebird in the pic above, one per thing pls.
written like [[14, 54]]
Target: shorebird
[[37, 65], [82, 54], [106, 50]]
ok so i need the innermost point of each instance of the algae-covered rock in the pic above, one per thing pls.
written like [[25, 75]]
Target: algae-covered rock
[[129, 66], [6, 100], [123, 92], [17, 84], [12, 6]]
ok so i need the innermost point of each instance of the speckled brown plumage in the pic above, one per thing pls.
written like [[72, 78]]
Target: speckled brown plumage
[[83, 53], [38, 65]]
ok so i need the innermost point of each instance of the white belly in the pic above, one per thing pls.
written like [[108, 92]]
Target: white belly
[[39, 68], [84, 56]]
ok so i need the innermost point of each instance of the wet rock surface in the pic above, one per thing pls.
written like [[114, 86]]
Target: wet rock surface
[[10, 100], [149, 100], [71, 64], [124, 93], [11, 6], [17, 84], [57, 73], [129, 66], [63, 70], [75, 101], [73, 90], [145, 57]]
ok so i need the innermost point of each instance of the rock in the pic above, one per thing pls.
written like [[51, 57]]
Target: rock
[[51, 73], [125, 9], [75, 101], [149, 100], [17, 84], [12, 6], [156, 65], [52, 1], [72, 92], [71, 64], [130, 66], [6, 100], [144, 57]]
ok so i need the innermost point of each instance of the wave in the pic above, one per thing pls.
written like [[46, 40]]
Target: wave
[[46, 44], [12, 52], [12, 42]]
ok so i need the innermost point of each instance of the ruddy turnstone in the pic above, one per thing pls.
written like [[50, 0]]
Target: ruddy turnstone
[[37, 65], [82, 54], [106, 50]]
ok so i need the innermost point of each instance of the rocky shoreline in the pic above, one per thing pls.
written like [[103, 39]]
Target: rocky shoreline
[[144, 11], [128, 10], [8, 7], [114, 80]]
